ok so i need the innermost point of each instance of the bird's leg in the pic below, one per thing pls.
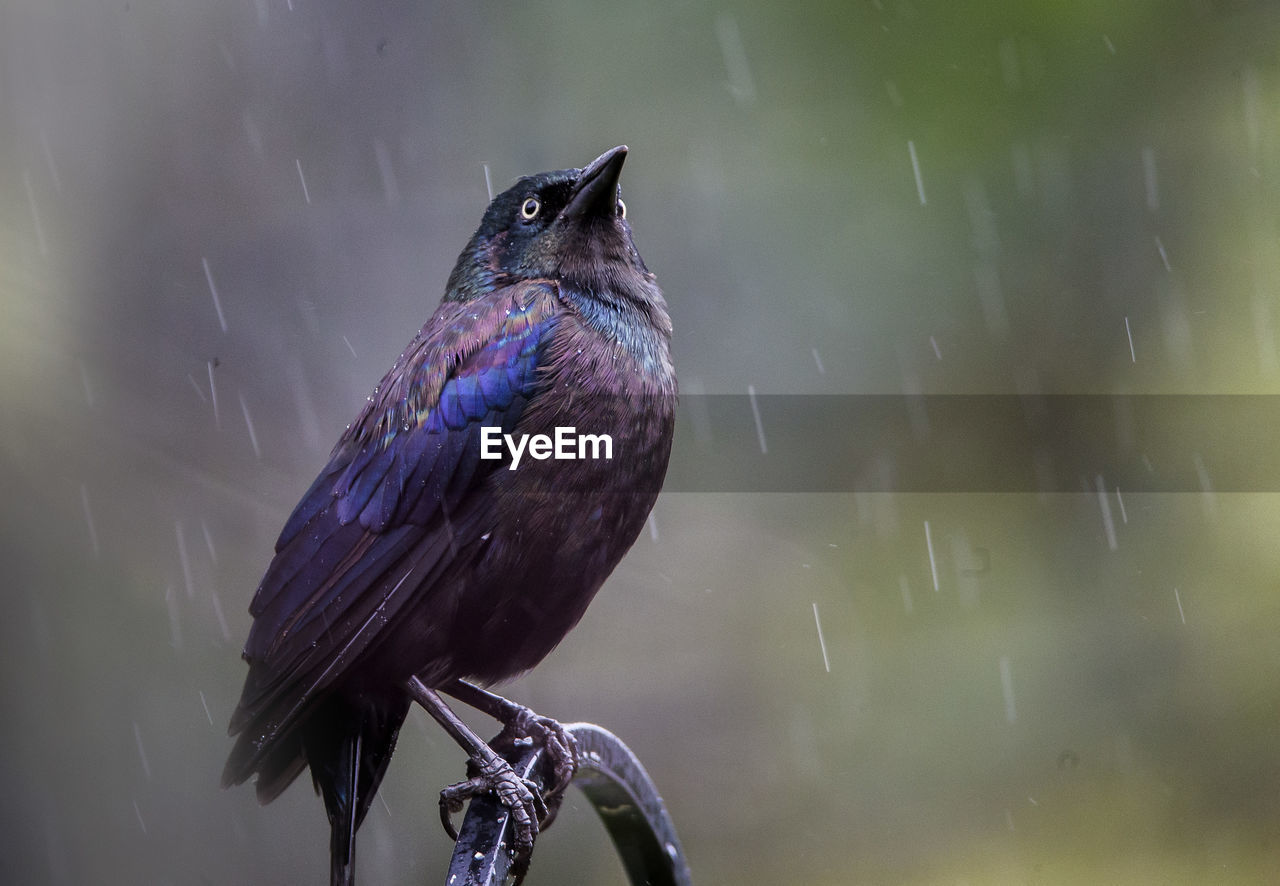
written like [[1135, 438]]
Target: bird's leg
[[493, 774], [521, 723]]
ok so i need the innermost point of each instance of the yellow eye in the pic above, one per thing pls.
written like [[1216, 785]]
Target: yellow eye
[[529, 211], [622, 209]]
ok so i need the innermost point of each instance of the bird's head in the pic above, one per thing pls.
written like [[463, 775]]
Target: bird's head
[[569, 225]]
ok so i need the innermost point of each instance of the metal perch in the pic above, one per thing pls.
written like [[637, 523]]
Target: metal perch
[[619, 789]]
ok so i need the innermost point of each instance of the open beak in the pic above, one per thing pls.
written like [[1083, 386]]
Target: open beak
[[596, 193]]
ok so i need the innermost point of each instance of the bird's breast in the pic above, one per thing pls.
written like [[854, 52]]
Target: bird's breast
[[565, 513], [595, 438]]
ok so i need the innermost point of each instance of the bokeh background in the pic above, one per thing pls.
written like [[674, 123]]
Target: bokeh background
[[220, 223]]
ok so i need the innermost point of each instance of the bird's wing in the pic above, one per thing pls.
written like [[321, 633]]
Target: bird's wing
[[394, 504]]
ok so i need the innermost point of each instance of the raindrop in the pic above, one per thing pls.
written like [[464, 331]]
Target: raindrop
[[488, 182], [205, 704], [138, 812], [347, 342], [982, 218], [142, 753], [822, 643], [755, 411], [653, 527], [917, 415], [1164, 256], [302, 178], [1105, 504], [253, 133], [213, 291], [48, 159], [248, 421], [695, 399], [915, 169], [933, 562], [1178, 597], [208, 540], [991, 297], [217, 611], [1206, 486], [817, 360], [213, 395], [184, 559], [390, 190], [969, 565], [1133, 356], [35, 213], [199, 391]]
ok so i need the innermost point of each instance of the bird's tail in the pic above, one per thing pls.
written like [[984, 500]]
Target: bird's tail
[[348, 745]]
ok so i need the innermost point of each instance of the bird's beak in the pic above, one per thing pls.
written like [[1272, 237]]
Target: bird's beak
[[596, 193]]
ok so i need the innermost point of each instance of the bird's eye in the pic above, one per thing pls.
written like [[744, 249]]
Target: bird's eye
[[622, 209], [529, 211]]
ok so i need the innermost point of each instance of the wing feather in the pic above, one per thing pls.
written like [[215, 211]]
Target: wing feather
[[392, 507]]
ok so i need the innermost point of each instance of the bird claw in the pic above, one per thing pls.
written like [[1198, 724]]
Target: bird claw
[[558, 743], [531, 808], [519, 795]]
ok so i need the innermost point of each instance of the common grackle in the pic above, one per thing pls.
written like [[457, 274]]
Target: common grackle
[[417, 562]]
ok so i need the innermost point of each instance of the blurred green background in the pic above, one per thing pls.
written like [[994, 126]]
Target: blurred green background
[[869, 197]]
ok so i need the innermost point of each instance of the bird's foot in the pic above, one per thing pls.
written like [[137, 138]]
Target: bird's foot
[[517, 794], [560, 747]]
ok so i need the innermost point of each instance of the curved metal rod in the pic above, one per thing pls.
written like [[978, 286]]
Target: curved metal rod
[[619, 789]]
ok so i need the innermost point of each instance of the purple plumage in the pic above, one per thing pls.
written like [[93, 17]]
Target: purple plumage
[[411, 554]]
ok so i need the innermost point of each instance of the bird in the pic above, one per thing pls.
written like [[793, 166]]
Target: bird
[[418, 562]]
